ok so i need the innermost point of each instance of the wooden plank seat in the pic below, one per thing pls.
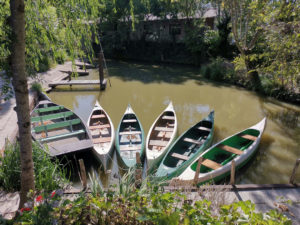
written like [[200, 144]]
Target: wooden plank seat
[[204, 128], [130, 132], [95, 127], [230, 149], [179, 156], [101, 140], [57, 125], [164, 134], [211, 164], [163, 129], [99, 116], [52, 116], [130, 148], [49, 109], [129, 121], [194, 141], [168, 117], [158, 143], [248, 136], [62, 136]]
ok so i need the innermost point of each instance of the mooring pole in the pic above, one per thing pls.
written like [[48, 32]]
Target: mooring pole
[[138, 170], [294, 171], [82, 174], [232, 174], [101, 72]]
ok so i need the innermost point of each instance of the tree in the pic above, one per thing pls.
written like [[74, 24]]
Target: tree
[[17, 8]]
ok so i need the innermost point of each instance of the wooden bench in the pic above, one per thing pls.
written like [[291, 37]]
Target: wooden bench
[[194, 141], [168, 117], [179, 156], [158, 143], [52, 116], [62, 136], [130, 132], [101, 140], [230, 149], [57, 125], [130, 148], [248, 136], [99, 127], [211, 164], [49, 109], [204, 128], [164, 134], [129, 121], [99, 116], [164, 129]]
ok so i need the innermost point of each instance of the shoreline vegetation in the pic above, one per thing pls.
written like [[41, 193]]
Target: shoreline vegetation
[[122, 204]]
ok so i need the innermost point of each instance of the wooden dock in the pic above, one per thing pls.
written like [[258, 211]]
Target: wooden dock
[[74, 82]]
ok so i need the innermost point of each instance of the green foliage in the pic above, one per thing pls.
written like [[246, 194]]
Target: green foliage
[[48, 173], [37, 87]]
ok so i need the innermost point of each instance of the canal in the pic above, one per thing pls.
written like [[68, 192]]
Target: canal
[[149, 88]]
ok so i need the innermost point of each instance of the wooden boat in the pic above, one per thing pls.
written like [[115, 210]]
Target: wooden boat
[[186, 149], [60, 128], [216, 164], [103, 134], [129, 138], [160, 136]]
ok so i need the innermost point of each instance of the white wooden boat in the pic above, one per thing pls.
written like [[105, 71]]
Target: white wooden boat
[[160, 136], [216, 163], [103, 134]]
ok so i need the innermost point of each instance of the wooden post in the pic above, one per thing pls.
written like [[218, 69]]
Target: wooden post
[[82, 174], [138, 171], [232, 174], [200, 160], [101, 72], [294, 171]]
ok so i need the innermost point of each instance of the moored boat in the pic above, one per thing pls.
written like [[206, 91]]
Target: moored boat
[[103, 134], [160, 136], [61, 129], [186, 148], [129, 138], [216, 161]]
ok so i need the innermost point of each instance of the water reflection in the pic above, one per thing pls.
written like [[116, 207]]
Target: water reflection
[[149, 88]]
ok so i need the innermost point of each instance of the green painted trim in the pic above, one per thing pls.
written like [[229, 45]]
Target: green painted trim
[[62, 136], [49, 109], [56, 125], [52, 116]]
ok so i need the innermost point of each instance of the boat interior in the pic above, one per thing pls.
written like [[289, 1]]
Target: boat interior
[[226, 151], [130, 137], [162, 132], [188, 144]]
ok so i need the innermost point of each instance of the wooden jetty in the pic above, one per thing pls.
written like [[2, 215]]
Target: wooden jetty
[[74, 82], [80, 73]]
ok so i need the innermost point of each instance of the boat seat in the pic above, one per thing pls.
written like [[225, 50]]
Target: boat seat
[[230, 149], [130, 132], [57, 125], [179, 156], [98, 116], [101, 140], [52, 116], [129, 121], [99, 127], [248, 136], [211, 164], [164, 134], [204, 128], [158, 143], [194, 141], [62, 136], [130, 148], [163, 129], [168, 117], [49, 109]]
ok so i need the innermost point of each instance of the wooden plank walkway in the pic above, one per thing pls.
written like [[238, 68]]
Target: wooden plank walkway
[[74, 82]]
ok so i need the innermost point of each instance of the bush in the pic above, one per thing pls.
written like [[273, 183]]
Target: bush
[[37, 87], [48, 173], [216, 70]]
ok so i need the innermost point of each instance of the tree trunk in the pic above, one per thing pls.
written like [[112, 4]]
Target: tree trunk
[[17, 8]]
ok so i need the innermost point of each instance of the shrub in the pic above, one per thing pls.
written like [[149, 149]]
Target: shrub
[[37, 87]]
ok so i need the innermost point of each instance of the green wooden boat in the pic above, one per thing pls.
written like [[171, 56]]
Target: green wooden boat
[[186, 149], [129, 138], [60, 128], [216, 163]]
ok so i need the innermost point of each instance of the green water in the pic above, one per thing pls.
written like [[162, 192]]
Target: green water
[[149, 88]]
